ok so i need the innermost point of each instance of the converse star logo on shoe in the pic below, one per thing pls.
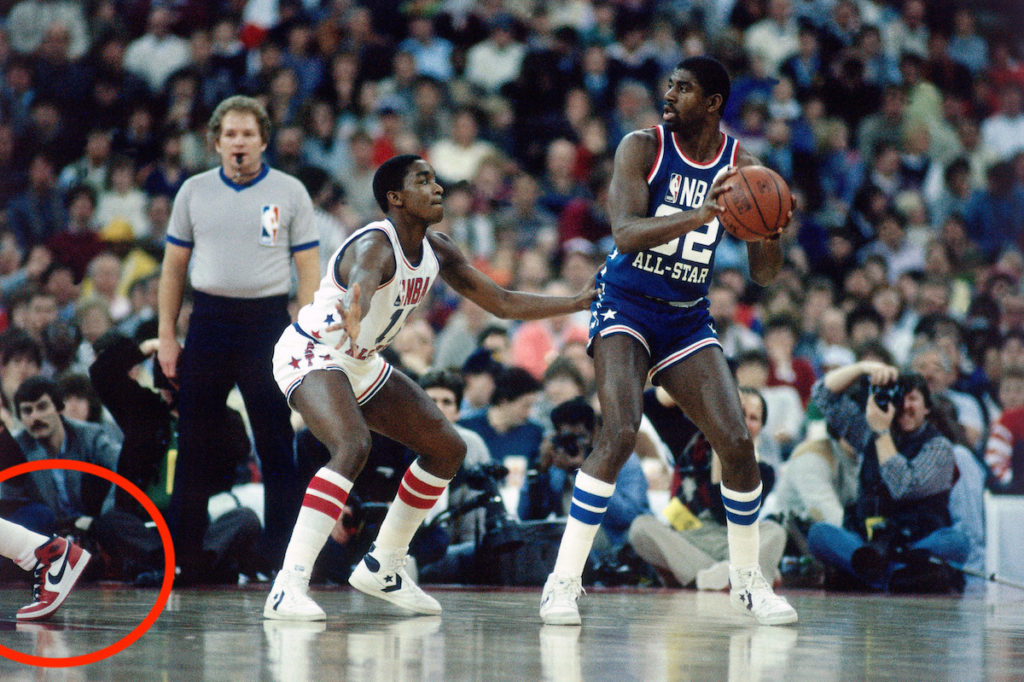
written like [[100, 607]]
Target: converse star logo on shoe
[[749, 598], [278, 599], [393, 588]]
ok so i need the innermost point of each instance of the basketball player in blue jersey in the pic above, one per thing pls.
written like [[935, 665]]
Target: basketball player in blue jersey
[[329, 366], [651, 320]]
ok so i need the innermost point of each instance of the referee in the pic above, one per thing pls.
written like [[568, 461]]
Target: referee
[[239, 226]]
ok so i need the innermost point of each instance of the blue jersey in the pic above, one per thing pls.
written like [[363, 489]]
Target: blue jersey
[[681, 269]]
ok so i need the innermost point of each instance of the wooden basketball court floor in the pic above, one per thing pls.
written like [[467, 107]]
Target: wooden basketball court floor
[[648, 634]]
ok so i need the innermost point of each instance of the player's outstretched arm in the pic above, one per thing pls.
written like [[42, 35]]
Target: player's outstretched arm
[[482, 290], [764, 256], [628, 194]]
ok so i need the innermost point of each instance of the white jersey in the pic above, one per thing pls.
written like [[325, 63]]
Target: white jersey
[[390, 306]]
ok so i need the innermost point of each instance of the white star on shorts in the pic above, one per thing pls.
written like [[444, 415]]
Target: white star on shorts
[[608, 315]]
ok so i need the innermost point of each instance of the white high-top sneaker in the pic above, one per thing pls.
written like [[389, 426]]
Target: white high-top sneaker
[[752, 595], [289, 599], [383, 574], [558, 600]]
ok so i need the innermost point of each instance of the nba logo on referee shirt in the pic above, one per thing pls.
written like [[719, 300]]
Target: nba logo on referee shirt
[[270, 221], [674, 181]]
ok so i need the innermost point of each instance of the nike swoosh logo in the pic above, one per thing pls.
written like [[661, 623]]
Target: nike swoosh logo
[[397, 586], [56, 578]]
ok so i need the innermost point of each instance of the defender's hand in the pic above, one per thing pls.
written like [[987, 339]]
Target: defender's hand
[[584, 298], [350, 319]]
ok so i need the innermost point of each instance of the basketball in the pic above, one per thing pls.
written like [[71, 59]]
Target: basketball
[[756, 203]]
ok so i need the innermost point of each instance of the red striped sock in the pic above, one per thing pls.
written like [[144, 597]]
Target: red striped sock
[[321, 508], [416, 495]]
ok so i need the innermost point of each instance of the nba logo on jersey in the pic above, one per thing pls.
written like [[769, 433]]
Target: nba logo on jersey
[[270, 221], [675, 180]]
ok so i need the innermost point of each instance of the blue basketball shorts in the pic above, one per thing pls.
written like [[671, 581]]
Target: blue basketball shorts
[[670, 334]]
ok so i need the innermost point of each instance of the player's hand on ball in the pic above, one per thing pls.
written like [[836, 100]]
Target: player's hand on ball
[[785, 223], [712, 206]]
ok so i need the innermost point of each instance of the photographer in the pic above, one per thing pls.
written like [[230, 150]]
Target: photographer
[[906, 473], [548, 488]]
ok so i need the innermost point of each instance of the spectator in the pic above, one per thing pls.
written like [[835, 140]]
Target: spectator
[[21, 357], [1003, 131], [780, 336], [774, 37], [494, 62], [92, 168], [966, 46], [805, 66], [733, 335], [505, 425], [37, 214], [431, 53], [908, 33], [526, 220], [122, 199], [630, 57], [79, 502], [158, 53], [816, 484], [893, 246], [1004, 452], [459, 156], [906, 475], [29, 20], [784, 415], [995, 216]]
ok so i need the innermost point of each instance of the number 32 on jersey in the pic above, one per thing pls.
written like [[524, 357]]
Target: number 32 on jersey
[[698, 247]]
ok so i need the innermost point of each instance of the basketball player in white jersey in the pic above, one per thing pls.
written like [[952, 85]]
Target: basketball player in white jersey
[[57, 564], [329, 366]]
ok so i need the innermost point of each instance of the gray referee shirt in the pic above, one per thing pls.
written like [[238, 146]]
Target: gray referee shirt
[[242, 236]]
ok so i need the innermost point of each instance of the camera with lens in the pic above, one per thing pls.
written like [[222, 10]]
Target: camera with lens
[[502, 532], [572, 444], [888, 542], [886, 394]]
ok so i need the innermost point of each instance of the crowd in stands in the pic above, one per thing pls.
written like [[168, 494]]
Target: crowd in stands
[[899, 126]]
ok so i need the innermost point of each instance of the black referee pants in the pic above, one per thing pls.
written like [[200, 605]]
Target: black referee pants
[[231, 341]]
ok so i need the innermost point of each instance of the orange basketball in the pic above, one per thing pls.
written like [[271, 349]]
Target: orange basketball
[[756, 203]]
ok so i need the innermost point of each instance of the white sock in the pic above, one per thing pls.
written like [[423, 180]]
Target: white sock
[[321, 509], [19, 544], [741, 521], [416, 495], [589, 503]]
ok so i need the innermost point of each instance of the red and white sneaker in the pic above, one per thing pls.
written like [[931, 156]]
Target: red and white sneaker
[[60, 565]]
